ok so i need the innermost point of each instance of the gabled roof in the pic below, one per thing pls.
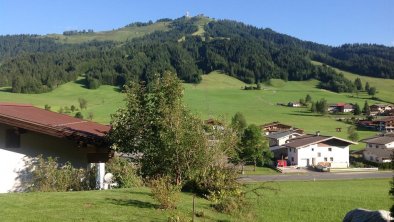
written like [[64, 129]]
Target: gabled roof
[[382, 140], [310, 139], [28, 117], [280, 134]]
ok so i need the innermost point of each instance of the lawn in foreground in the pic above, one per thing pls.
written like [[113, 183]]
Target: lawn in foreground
[[294, 201]]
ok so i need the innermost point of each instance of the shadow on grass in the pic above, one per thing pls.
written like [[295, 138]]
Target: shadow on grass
[[134, 203], [6, 89], [82, 82]]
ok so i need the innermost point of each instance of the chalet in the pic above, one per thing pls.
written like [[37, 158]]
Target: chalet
[[277, 139], [269, 128], [378, 109], [379, 149], [385, 124], [27, 131], [340, 108], [315, 149]]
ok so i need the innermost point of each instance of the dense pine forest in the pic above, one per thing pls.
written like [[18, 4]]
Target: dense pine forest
[[35, 64]]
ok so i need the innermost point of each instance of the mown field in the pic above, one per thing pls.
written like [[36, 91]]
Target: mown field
[[219, 96], [293, 202]]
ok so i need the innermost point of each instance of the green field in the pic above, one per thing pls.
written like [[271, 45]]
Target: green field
[[118, 35], [218, 96], [293, 201], [385, 87], [221, 96]]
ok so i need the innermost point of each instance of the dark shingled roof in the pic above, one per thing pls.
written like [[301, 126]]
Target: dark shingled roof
[[382, 140], [51, 123], [312, 139]]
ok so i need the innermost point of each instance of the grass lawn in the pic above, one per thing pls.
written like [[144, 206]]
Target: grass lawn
[[249, 170], [218, 95], [294, 201]]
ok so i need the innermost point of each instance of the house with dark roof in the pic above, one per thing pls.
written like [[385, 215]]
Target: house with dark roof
[[316, 149], [27, 131], [379, 149], [340, 108], [272, 127]]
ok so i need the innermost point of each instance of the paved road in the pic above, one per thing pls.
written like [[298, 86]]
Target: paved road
[[315, 176]]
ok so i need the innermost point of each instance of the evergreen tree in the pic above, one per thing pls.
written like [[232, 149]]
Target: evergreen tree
[[358, 84], [366, 109], [357, 109], [367, 86], [238, 123], [372, 91], [308, 98]]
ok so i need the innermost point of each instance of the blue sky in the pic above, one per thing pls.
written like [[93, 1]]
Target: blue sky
[[332, 22]]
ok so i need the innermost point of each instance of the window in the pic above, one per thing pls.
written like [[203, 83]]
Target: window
[[330, 149], [292, 159], [371, 158], [325, 159], [331, 158], [12, 139], [377, 146], [313, 149], [370, 145], [318, 154]]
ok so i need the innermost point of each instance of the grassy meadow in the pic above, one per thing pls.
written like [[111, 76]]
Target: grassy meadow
[[118, 35], [218, 96], [221, 96], [293, 201]]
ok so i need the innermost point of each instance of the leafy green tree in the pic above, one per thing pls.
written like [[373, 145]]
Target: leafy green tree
[[352, 133], [172, 142], [372, 91], [83, 103], [357, 109], [238, 123], [73, 108], [366, 108], [253, 146], [78, 115]]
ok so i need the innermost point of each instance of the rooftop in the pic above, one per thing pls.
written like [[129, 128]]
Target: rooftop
[[309, 139], [382, 140], [280, 134], [47, 122]]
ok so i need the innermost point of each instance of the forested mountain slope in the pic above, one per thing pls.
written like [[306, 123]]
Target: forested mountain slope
[[187, 46]]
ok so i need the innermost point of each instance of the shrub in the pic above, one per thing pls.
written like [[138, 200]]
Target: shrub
[[165, 192], [125, 172], [48, 176]]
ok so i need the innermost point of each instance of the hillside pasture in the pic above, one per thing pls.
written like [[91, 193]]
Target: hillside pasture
[[385, 87], [118, 35], [222, 96], [217, 96]]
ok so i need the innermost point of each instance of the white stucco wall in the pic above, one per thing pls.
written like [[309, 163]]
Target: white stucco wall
[[310, 153], [12, 160]]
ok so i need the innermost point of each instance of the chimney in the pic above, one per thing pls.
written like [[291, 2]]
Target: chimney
[[317, 133]]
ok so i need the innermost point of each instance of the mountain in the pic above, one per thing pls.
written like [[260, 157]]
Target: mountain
[[188, 46]]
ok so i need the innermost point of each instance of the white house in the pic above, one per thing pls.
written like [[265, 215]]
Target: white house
[[27, 131], [379, 149], [311, 150]]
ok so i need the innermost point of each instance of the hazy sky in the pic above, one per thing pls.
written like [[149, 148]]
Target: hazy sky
[[332, 22]]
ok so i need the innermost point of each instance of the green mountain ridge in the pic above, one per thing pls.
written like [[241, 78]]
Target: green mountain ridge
[[187, 46]]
